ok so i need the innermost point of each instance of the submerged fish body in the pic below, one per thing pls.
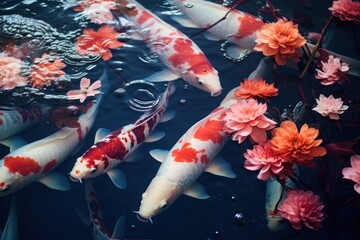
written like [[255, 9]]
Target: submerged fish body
[[177, 51], [119, 145], [17, 120], [34, 161], [192, 155], [97, 223], [238, 27]]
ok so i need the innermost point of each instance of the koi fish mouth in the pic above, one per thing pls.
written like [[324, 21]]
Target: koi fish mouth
[[215, 94], [74, 179], [142, 219]]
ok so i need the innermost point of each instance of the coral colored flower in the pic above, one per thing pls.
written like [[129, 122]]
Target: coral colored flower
[[332, 71], [99, 12], [256, 89], [302, 207], [346, 10], [86, 90], [246, 118], [98, 43], [270, 163], [281, 40], [330, 106], [10, 73], [45, 70], [84, 4], [353, 172], [297, 147]]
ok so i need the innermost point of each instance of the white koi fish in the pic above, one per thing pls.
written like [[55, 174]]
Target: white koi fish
[[196, 152], [16, 120], [178, 52], [35, 161], [112, 149], [96, 221], [238, 27]]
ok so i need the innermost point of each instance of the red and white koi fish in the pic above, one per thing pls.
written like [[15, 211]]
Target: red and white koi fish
[[196, 152], [35, 161], [238, 27], [112, 149], [177, 51], [16, 120], [96, 221]]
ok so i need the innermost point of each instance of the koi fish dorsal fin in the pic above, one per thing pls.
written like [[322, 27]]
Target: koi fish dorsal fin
[[159, 154], [196, 190], [14, 142], [11, 230], [168, 116], [101, 133], [119, 229], [117, 177], [154, 136], [55, 181], [221, 168], [184, 21], [162, 76]]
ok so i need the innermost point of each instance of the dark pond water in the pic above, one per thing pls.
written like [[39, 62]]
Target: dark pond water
[[49, 214]]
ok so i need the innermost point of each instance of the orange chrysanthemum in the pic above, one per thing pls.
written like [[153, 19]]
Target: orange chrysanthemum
[[298, 147], [45, 70], [256, 89], [281, 40], [98, 43]]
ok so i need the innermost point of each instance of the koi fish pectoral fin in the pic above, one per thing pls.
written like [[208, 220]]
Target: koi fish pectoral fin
[[84, 217], [184, 21], [159, 154], [118, 178], [55, 181], [170, 114], [221, 168], [119, 230], [211, 37], [14, 142], [101, 133], [154, 136], [196, 190], [162, 76], [11, 230]]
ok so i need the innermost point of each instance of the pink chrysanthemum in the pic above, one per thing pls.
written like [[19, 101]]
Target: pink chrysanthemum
[[246, 118], [86, 90], [346, 10], [270, 163], [10, 73], [353, 172], [330, 106], [332, 71], [302, 207]]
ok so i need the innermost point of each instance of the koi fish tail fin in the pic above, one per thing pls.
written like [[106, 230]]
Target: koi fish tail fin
[[119, 229], [11, 230], [274, 194], [354, 64]]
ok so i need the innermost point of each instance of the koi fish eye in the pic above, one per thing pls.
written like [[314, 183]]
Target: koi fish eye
[[5, 189], [93, 169], [200, 82]]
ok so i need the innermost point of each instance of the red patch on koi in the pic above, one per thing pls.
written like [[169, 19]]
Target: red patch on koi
[[139, 133], [2, 184], [185, 54], [212, 130], [49, 166], [248, 25], [77, 171], [95, 214], [79, 134], [21, 165], [186, 154], [144, 17], [30, 115]]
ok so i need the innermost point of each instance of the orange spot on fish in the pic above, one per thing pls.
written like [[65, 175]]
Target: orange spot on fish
[[2, 184], [77, 171], [248, 25], [144, 17], [212, 130], [186, 154], [21, 165]]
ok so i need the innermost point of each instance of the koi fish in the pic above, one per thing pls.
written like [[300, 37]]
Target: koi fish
[[238, 27], [112, 149], [27, 163], [196, 152], [177, 51], [96, 221], [16, 120], [11, 226]]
